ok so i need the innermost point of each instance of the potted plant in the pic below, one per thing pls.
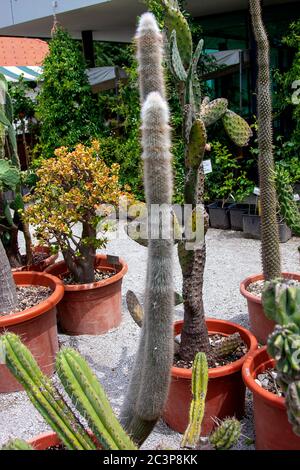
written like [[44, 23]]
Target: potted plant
[[77, 187], [194, 331], [11, 200], [30, 313], [276, 400], [260, 325], [228, 185]]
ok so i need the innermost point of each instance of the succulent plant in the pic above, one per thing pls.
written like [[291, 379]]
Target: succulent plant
[[197, 407], [226, 434], [17, 444], [198, 115], [268, 199], [227, 345], [281, 302]]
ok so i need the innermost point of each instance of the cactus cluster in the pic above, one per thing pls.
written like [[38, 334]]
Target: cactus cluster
[[226, 435], [148, 387], [82, 387], [268, 199], [281, 302]]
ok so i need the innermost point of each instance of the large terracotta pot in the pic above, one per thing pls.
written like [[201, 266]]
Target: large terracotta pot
[[36, 326], [260, 325], [226, 390], [42, 265], [91, 309], [272, 429]]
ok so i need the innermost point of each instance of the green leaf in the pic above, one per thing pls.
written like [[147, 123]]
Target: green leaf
[[9, 175]]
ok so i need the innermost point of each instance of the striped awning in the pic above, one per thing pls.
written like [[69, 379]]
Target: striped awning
[[12, 73]]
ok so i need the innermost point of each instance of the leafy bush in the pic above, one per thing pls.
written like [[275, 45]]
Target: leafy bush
[[228, 179], [66, 108]]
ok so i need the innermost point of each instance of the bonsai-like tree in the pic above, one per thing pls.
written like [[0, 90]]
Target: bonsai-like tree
[[66, 107], [70, 190]]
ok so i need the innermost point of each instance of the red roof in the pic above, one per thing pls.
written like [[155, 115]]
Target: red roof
[[22, 51]]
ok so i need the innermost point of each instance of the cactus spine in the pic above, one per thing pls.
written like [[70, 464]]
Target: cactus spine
[[148, 388], [281, 302], [269, 228], [226, 434], [197, 407], [197, 116]]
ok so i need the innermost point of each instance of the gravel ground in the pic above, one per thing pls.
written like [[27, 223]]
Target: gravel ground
[[230, 258]]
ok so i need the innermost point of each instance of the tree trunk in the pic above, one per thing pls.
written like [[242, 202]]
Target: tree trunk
[[8, 293]]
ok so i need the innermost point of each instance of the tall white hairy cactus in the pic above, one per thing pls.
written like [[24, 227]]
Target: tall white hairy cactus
[[148, 388]]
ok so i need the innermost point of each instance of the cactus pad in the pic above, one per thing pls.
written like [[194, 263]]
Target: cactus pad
[[196, 144], [237, 128], [213, 111]]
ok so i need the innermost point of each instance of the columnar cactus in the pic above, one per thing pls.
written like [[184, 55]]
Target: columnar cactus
[[197, 406], [269, 227], [198, 115], [84, 390], [281, 302], [148, 388]]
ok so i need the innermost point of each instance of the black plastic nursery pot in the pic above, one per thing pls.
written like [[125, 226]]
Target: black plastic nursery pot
[[251, 228], [237, 212], [219, 215]]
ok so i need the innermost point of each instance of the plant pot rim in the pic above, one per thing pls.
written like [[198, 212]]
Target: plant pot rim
[[93, 285], [46, 262], [258, 277], [212, 324], [44, 440], [23, 278], [250, 383]]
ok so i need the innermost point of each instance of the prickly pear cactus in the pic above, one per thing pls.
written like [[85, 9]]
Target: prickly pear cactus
[[226, 434], [236, 128]]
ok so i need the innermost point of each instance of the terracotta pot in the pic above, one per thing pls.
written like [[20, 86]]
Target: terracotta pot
[[260, 325], [226, 390], [44, 441], [91, 309], [42, 265], [36, 326], [272, 429]]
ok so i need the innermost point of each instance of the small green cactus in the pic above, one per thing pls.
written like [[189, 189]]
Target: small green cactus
[[17, 444], [227, 345], [226, 434], [197, 407]]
